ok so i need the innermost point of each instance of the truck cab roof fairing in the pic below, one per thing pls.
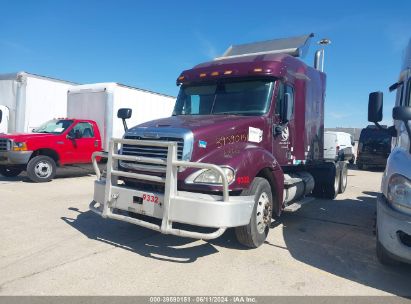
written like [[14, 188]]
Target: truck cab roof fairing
[[294, 46]]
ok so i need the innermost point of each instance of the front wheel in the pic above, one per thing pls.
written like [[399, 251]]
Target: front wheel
[[343, 177], [255, 233], [10, 172], [41, 169]]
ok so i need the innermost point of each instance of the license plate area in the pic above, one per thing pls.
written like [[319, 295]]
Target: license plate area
[[140, 202]]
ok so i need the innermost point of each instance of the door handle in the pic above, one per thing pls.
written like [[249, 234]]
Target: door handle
[[96, 143]]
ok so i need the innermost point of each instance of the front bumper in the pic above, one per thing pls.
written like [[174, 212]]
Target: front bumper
[[196, 209], [10, 158], [394, 230]]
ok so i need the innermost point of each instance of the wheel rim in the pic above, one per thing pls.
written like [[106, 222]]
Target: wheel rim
[[43, 169], [263, 212], [336, 182]]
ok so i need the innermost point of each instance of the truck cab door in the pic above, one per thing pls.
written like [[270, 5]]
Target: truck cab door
[[82, 143], [283, 128], [4, 119]]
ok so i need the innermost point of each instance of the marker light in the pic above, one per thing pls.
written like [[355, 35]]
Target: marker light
[[19, 146], [181, 78], [203, 75], [258, 70], [228, 72], [215, 73]]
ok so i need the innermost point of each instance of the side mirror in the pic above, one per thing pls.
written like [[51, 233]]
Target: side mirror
[[401, 113], [123, 114], [286, 109], [1, 115], [375, 105]]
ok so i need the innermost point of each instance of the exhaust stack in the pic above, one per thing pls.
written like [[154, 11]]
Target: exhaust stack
[[319, 55]]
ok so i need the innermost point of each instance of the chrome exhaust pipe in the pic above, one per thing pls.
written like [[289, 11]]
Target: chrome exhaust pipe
[[319, 55]]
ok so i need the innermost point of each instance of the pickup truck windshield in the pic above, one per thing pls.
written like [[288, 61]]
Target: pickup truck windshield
[[55, 126], [250, 97]]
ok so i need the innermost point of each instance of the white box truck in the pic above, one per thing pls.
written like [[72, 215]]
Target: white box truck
[[27, 100], [101, 101]]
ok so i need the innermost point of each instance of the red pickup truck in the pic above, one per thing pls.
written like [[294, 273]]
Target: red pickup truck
[[58, 142]]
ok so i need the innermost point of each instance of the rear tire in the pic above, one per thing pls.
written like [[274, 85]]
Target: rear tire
[[10, 172], [332, 183], [343, 177], [41, 169], [255, 233]]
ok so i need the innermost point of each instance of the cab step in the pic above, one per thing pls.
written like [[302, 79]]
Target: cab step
[[297, 205]]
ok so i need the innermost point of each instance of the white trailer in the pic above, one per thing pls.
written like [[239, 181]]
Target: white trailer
[[101, 101], [28, 100]]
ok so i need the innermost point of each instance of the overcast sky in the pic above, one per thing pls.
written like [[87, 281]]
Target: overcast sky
[[148, 43]]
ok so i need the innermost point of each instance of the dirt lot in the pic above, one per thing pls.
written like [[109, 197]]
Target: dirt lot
[[51, 244]]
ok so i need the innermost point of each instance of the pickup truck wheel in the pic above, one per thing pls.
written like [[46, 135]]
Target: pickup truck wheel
[[10, 172], [343, 177], [255, 233], [41, 169]]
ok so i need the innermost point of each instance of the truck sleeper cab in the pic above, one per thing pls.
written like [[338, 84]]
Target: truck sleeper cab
[[245, 142]]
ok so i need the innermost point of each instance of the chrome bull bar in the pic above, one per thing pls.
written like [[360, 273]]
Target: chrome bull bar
[[226, 204]]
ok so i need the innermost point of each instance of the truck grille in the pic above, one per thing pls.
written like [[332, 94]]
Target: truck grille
[[150, 151], [5, 144]]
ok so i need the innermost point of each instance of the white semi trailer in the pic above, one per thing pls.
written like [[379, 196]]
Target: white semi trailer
[[101, 101], [28, 100]]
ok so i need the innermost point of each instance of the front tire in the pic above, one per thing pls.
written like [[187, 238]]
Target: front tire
[[255, 233], [10, 172], [343, 177], [41, 169]]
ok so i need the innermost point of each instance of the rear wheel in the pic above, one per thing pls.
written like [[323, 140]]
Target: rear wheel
[[41, 169], [9, 171], [255, 233], [343, 177]]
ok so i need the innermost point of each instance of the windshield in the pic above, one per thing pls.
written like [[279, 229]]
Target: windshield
[[55, 126], [250, 97], [375, 137]]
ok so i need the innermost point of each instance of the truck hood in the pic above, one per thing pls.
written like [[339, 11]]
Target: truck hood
[[25, 136], [211, 133]]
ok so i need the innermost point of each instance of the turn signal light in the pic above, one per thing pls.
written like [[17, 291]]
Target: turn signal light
[[215, 73], [228, 72], [203, 75]]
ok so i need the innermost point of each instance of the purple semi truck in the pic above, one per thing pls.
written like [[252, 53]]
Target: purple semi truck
[[244, 144]]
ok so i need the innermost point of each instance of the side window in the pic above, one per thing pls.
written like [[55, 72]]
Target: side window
[[290, 90], [280, 98], [82, 130], [279, 103]]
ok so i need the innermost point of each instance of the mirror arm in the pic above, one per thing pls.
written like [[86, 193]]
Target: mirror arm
[[125, 125]]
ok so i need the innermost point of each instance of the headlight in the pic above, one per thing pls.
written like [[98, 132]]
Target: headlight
[[19, 146], [399, 192], [207, 176]]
